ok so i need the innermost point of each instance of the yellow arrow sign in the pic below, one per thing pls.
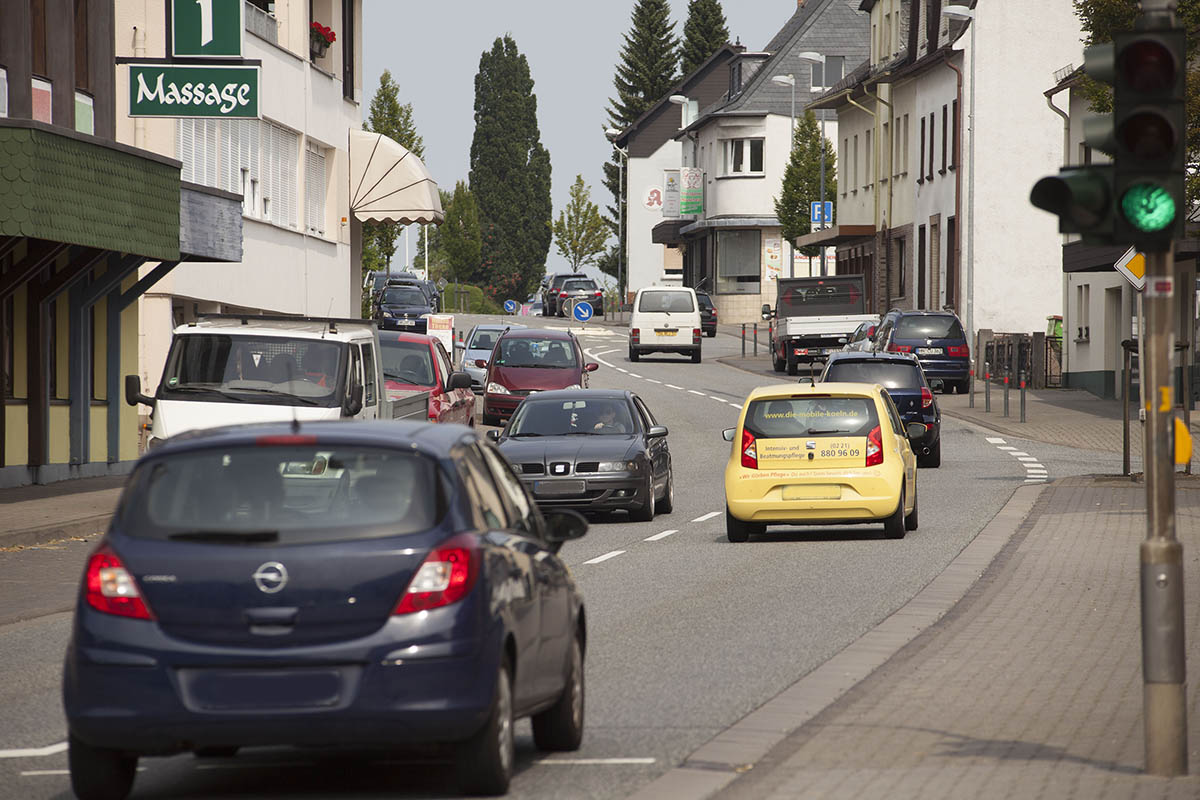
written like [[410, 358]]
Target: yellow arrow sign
[[1133, 266]]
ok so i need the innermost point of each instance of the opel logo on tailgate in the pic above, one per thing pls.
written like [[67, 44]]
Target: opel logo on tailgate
[[271, 577]]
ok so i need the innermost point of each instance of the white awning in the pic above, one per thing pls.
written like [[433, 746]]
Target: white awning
[[390, 184]]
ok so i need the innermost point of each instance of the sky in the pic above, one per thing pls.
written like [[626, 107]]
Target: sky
[[433, 49]]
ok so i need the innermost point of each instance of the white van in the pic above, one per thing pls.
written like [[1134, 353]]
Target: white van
[[665, 319]]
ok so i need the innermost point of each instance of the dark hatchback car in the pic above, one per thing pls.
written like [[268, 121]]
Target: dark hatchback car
[[552, 293], [901, 375], [936, 338], [708, 314], [594, 450], [402, 308], [353, 585], [527, 361]]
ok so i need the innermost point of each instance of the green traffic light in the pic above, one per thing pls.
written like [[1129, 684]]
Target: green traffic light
[[1148, 207]]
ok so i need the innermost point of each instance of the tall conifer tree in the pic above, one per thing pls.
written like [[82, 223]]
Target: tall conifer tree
[[704, 33], [510, 174], [802, 181]]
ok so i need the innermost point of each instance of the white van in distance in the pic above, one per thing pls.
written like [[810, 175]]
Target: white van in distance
[[665, 319]]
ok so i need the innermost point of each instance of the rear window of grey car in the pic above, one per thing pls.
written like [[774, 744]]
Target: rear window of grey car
[[670, 302], [811, 417], [579, 284], [890, 375], [290, 494], [929, 326]]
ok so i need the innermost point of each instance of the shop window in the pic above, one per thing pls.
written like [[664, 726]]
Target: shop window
[[739, 261], [824, 76]]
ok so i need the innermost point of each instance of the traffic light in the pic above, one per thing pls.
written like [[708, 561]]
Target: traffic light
[[1139, 198]]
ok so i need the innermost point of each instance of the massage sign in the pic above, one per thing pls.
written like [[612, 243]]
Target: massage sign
[[188, 83]]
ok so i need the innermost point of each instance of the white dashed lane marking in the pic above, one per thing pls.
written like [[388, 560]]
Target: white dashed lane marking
[[707, 516], [693, 391], [673, 386], [604, 557], [583, 762], [35, 752], [993, 440], [658, 536]]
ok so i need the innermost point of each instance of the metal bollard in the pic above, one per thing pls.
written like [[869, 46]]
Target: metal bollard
[[1022, 395], [987, 387], [1006, 395], [743, 340], [971, 386], [756, 339]]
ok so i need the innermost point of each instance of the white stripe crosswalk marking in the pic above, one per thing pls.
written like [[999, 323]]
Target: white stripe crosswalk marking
[[994, 440]]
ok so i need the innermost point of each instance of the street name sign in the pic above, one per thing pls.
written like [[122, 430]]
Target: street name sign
[[1133, 266], [207, 28], [176, 90]]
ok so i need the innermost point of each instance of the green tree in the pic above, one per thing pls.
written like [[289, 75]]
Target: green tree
[[395, 121], [647, 69], [704, 33], [579, 232], [1100, 19], [461, 239], [510, 173], [802, 181]]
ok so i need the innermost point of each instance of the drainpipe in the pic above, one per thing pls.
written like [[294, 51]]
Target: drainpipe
[[957, 183], [139, 123]]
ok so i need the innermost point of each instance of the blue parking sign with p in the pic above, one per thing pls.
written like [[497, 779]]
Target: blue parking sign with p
[[582, 311], [815, 212]]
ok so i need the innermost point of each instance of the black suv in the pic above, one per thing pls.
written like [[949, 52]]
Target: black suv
[[936, 338], [708, 314], [552, 293]]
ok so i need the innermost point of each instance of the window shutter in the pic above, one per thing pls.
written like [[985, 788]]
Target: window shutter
[[185, 148], [314, 191], [291, 168]]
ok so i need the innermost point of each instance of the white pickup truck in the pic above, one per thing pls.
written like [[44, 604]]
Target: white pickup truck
[[814, 317], [229, 369]]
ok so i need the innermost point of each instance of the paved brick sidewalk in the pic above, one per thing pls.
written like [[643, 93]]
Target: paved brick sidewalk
[[38, 514], [1031, 687]]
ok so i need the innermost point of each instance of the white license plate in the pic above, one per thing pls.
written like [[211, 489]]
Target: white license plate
[[929, 351], [556, 488], [408, 323]]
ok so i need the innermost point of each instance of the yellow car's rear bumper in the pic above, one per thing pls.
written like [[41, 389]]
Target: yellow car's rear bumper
[[861, 495]]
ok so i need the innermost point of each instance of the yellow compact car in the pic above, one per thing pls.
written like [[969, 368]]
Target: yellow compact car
[[833, 453]]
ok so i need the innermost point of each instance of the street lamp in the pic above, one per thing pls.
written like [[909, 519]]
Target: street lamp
[[789, 80], [816, 58], [964, 13], [612, 134]]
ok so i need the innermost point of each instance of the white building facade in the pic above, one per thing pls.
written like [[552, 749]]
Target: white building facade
[[289, 168]]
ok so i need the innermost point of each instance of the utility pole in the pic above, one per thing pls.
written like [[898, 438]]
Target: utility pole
[[1139, 199]]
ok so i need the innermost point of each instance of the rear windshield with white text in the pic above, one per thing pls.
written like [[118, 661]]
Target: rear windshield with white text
[[811, 417]]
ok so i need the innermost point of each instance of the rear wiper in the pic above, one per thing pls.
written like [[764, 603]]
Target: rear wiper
[[225, 536], [304, 400], [818, 432]]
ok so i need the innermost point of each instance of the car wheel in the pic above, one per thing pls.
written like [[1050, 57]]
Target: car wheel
[[633, 355], [491, 419], [646, 512], [98, 773], [560, 727], [485, 761], [738, 531], [793, 366], [712, 334], [910, 520], [893, 526], [962, 387], [667, 504], [696, 356], [777, 363], [934, 459], [215, 752]]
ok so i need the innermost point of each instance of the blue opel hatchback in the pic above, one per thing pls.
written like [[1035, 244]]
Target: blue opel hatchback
[[936, 338], [346, 584]]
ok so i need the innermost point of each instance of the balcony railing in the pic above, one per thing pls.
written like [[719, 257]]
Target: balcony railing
[[262, 24]]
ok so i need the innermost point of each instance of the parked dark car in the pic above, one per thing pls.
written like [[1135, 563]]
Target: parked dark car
[[553, 289], [357, 585], [595, 450], [428, 288], [579, 290], [901, 375], [529, 360], [402, 308], [936, 338], [708, 314]]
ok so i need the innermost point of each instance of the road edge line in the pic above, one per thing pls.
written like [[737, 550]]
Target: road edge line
[[735, 750]]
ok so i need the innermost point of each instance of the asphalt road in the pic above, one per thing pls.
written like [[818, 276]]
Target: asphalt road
[[687, 632]]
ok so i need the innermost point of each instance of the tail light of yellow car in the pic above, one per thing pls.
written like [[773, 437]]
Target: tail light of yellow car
[[749, 450], [875, 447]]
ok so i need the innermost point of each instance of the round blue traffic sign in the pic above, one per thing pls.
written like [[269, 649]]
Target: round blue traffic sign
[[511, 306], [582, 311]]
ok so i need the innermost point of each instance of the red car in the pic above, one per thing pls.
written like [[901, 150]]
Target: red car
[[530, 360], [414, 362]]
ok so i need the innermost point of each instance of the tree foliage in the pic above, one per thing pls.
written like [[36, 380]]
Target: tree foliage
[[647, 70], [1100, 19], [510, 173], [704, 33], [394, 120], [460, 236], [579, 232], [802, 181]]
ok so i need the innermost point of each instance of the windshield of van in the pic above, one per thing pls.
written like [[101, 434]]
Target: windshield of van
[[544, 353], [670, 302], [273, 370], [287, 494], [812, 416]]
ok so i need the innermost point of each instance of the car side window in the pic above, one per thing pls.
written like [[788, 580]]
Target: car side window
[[368, 356], [648, 420], [491, 505], [513, 490], [893, 415], [354, 373], [443, 361]]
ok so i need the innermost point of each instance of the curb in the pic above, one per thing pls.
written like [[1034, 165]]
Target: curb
[[739, 747], [80, 528]]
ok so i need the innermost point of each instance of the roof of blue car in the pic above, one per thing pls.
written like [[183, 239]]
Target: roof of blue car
[[430, 438]]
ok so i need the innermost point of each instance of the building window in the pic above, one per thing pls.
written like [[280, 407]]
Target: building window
[[82, 75], [3, 92], [9, 332], [826, 75], [85, 114], [854, 165], [901, 267], [957, 134], [886, 143], [1083, 301], [867, 153], [920, 267], [314, 190], [739, 261], [945, 138], [743, 156], [951, 261], [843, 159], [37, 37], [921, 171], [931, 145], [904, 159], [42, 96], [51, 336], [348, 38]]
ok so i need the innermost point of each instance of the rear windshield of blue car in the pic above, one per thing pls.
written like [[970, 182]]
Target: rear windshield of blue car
[[403, 296], [290, 494], [890, 375], [929, 326]]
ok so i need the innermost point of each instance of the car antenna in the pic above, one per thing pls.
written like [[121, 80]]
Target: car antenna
[[295, 417], [812, 373]]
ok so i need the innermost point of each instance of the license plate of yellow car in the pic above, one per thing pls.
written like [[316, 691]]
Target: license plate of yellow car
[[812, 492]]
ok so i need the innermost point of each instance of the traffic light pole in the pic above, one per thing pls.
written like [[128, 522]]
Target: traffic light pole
[[1164, 671]]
